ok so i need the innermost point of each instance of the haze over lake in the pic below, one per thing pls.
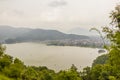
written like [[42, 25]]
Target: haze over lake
[[54, 57]]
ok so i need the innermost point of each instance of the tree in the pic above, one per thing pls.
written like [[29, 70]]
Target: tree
[[109, 70], [70, 74], [2, 50], [5, 60], [29, 74], [113, 34], [85, 73]]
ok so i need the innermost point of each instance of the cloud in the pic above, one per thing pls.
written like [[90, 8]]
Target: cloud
[[51, 15], [11, 13], [18, 12], [58, 14], [57, 3]]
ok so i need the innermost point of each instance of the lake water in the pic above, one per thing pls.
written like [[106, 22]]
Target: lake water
[[54, 57]]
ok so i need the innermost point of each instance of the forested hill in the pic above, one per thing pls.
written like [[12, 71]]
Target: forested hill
[[11, 34], [8, 32]]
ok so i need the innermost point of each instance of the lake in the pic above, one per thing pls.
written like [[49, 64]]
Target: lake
[[54, 57]]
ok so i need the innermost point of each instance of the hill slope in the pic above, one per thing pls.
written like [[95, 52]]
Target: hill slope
[[11, 34]]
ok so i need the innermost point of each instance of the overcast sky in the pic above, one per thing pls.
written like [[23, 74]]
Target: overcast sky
[[56, 14]]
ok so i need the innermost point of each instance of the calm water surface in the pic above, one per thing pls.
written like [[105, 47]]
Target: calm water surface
[[54, 57]]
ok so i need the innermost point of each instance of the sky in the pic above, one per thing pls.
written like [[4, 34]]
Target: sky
[[61, 15]]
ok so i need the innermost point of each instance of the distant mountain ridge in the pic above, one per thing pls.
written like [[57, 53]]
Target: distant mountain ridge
[[10, 34], [83, 31]]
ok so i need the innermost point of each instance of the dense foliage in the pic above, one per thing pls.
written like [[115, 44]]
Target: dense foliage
[[110, 68], [105, 67]]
